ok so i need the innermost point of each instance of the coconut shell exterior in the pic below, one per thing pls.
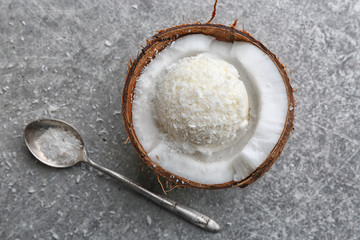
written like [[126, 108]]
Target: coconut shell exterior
[[222, 33]]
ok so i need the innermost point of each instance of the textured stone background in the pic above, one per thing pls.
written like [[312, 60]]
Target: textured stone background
[[54, 63]]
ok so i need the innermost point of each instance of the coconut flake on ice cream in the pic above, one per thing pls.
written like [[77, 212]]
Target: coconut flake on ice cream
[[201, 100]]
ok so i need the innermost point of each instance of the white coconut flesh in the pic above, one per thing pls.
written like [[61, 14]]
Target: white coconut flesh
[[209, 111]]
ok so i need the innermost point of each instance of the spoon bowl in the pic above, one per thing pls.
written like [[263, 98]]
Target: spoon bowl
[[35, 130]]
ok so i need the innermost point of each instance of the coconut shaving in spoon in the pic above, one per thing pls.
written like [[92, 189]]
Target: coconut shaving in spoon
[[59, 145]]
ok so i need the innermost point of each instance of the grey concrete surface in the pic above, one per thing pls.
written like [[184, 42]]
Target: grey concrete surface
[[54, 63]]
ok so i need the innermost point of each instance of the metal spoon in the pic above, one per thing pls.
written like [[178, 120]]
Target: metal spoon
[[35, 129]]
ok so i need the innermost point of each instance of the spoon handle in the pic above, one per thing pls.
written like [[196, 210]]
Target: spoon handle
[[187, 213]]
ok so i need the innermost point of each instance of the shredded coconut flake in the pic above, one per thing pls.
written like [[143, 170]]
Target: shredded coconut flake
[[148, 219], [59, 145], [202, 100], [107, 43]]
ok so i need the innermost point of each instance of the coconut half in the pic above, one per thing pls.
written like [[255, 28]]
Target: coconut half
[[211, 145]]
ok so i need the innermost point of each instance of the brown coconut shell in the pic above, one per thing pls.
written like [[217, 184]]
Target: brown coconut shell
[[222, 33]]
